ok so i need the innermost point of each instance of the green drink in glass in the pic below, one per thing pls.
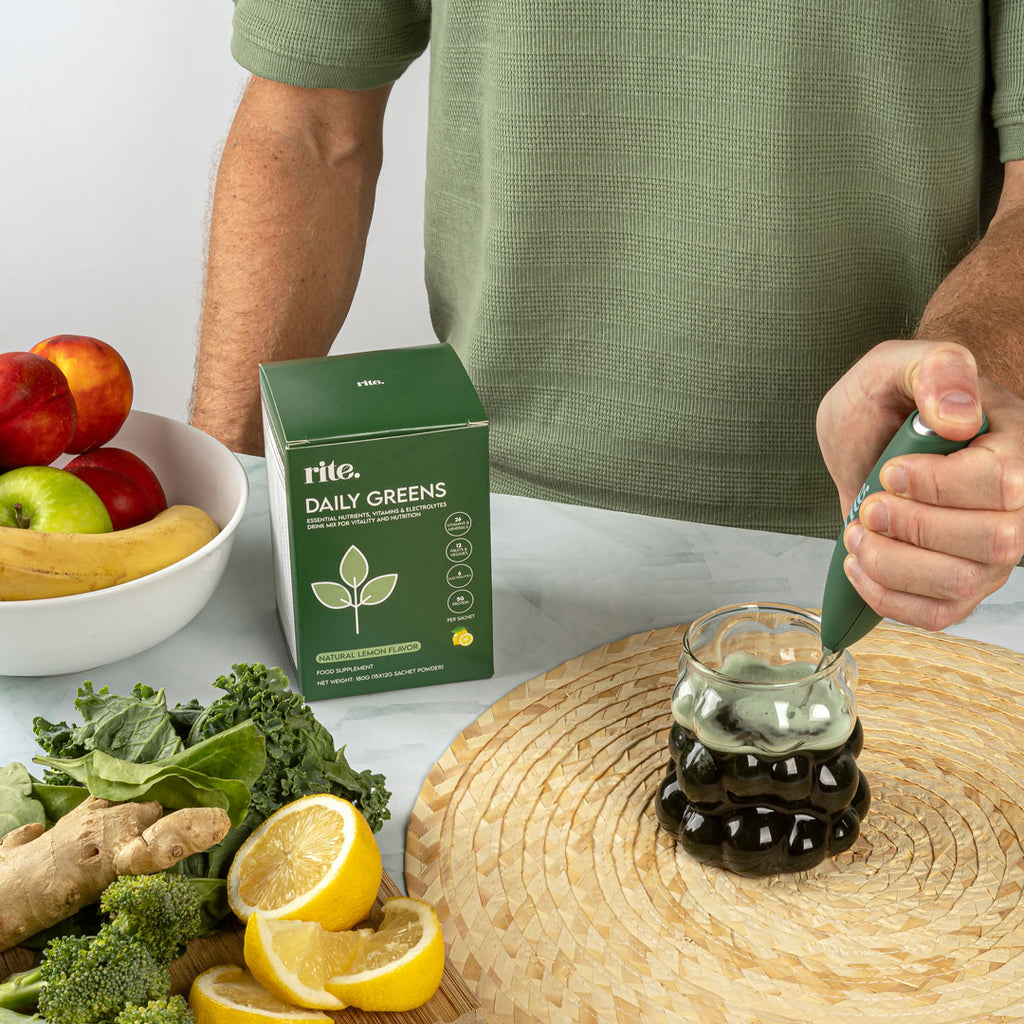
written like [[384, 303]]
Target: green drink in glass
[[762, 775]]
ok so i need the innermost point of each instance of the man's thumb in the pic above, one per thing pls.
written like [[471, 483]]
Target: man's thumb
[[944, 383]]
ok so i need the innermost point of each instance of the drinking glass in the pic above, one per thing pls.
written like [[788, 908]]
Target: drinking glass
[[762, 775]]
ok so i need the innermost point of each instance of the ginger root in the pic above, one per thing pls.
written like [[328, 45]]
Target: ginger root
[[46, 876]]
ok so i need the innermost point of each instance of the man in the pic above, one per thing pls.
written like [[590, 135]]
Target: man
[[657, 240]]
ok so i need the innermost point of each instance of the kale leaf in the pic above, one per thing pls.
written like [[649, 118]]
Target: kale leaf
[[301, 756]]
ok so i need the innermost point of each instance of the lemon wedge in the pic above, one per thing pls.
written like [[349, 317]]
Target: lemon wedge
[[227, 994], [293, 959], [398, 967], [315, 859]]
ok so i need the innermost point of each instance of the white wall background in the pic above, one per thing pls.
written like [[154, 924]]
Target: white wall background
[[113, 116]]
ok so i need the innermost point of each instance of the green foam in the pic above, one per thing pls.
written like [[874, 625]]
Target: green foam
[[729, 718]]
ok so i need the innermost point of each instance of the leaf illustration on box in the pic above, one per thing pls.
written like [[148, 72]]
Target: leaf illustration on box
[[354, 567], [351, 592], [378, 590], [332, 595]]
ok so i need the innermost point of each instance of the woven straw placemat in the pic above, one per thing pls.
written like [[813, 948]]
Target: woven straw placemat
[[563, 901]]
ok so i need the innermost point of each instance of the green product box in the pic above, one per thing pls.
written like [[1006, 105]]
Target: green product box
[[380, 519]]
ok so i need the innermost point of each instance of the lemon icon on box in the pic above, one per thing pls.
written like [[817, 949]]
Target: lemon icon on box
[[462, 637]]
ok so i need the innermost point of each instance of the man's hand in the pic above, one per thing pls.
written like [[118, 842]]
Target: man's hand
[[948, 529]]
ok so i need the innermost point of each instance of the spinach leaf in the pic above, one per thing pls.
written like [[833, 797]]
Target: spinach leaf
[[172, 786], [237, 753], [215, 907], [18, 805], [58, 800]]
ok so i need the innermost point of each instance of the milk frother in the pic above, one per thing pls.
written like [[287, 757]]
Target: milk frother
[[845, 616]]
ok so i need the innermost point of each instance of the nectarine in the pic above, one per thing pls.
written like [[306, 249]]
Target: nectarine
[[37, 413], [100, 383]]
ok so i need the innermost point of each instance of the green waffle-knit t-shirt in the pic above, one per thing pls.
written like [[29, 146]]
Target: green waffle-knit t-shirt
[[657, 233]]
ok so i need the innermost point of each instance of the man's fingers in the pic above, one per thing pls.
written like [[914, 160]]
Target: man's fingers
[[866, 406], [972, 478], [947, 530], [992, 538], [926, 588], [925, 612]]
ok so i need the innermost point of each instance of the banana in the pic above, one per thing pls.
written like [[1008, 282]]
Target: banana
[[36, 564]]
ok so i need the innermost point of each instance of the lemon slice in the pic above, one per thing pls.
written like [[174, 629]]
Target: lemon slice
[[399, 966], [293, 959], [314, 859], [227, 994]]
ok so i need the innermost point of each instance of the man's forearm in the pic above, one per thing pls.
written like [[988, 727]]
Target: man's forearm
[[292, 207], [981, 302]]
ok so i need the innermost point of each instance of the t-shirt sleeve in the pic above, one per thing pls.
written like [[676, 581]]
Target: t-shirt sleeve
[[341, 44], [1006, 32]]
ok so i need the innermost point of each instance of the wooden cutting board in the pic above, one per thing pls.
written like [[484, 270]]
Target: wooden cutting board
[[453, 1001]]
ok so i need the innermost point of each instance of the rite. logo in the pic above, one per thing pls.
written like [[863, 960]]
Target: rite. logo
[[324, 471]]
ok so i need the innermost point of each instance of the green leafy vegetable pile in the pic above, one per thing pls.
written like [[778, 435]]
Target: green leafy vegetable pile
[[253, 749]]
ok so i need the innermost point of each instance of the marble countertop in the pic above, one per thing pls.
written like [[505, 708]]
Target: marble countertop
[[566, 580]]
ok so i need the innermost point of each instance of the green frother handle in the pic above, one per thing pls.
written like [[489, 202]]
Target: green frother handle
[[845, 616]]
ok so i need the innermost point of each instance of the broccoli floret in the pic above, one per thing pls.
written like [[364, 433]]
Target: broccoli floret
[[63, 952], [162, 911], [114, 970], [88, 980], [173, 1010], [83, 979]]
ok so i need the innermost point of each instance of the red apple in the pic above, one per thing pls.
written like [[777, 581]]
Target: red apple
[[126, 485], [37, 412], [100, 383]]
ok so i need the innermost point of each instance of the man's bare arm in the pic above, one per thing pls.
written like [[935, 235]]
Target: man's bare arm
[[292, 206], [980, 304]]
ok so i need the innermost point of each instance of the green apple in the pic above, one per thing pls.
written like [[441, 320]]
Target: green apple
[[52, 500]]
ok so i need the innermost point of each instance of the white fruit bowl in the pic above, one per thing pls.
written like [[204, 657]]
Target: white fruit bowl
[[58, 635]]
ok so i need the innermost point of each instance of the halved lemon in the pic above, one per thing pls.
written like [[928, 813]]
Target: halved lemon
[[399, 966], [314, 859], [293, 959], [227, 994]]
